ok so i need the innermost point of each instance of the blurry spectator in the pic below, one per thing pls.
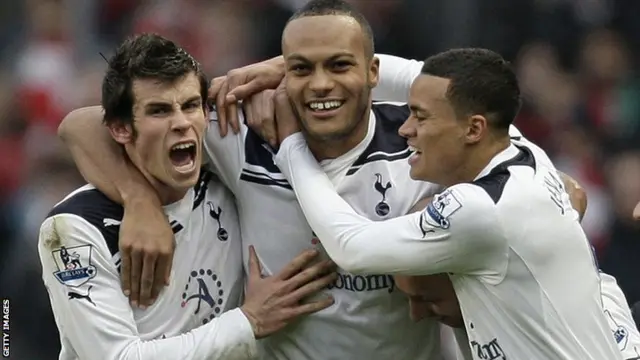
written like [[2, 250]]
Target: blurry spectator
[[621, 256]]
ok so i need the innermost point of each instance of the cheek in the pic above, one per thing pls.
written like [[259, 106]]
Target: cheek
[[428, 139], [151, 150], [294, 87], [355, 84], [150, 145], [199, 122]]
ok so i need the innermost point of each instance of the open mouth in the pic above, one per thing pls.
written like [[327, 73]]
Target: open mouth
[[325, 106], [415, 155], [183, 155]]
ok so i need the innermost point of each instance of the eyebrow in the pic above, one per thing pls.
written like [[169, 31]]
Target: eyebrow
[[158, 103], [415, 108], [299, 57], [192, 99]]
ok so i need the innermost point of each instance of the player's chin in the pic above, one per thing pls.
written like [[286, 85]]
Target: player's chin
[[184, 175], [326, 129], [417, 172]]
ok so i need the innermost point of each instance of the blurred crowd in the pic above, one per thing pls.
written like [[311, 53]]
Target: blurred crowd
[[577, 61]]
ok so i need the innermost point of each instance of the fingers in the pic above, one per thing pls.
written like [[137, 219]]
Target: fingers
[[310, 288], [125, 270], [161, 275], [232, 117], [243, 91], [216, 85], [269, 122], [249, 113], [310, 273], [136, 272], [286, 119], [167, 272], [636, 212], [310, 307], [147, 278], [297, 264], [255, 272], [221, 108]]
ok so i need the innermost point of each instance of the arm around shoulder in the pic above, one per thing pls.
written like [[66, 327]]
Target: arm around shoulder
[[395, 78], [457, 232], [447, 236], [100, 160]]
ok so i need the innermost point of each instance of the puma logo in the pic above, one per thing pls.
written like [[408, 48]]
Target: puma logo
[[111, 222], [74, 295]]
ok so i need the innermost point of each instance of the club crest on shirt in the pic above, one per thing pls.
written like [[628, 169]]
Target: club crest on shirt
[[74, 265], [215, 212], [382, 208], [439, 211]]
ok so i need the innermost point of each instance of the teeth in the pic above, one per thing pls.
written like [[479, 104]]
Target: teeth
[[182, 146], [325, 105]]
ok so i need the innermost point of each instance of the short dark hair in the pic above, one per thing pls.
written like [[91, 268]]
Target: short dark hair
[[342, 8], [482, 83], [144, 56]]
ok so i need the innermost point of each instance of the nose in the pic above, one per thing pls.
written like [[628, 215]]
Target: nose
[[408, 129], [321, 83], [419, 310], [180, 122]]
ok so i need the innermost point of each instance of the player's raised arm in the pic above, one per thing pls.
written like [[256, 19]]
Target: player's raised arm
[[226, 153], [145, 231], [436, 240], [395, 78], [84, 289]]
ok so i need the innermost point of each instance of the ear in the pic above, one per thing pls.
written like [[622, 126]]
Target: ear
[[122, 133], [476, 129], [374, 72]]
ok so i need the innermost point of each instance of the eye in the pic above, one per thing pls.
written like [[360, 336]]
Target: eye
[[158, 111], [341, 66], [299, 69], [192, 105], [416, 116]]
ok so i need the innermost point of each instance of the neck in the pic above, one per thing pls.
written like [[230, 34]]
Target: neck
[[478, 159], [166, 194], [324, 149]]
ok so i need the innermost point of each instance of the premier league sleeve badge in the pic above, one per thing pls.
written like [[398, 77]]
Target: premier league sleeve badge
[[74, 265]]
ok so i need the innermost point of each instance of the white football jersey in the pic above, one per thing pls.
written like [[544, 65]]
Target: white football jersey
[[396, 76], [191, 319], [619, 318], [505, 239], [614, 302], [370, 317]]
